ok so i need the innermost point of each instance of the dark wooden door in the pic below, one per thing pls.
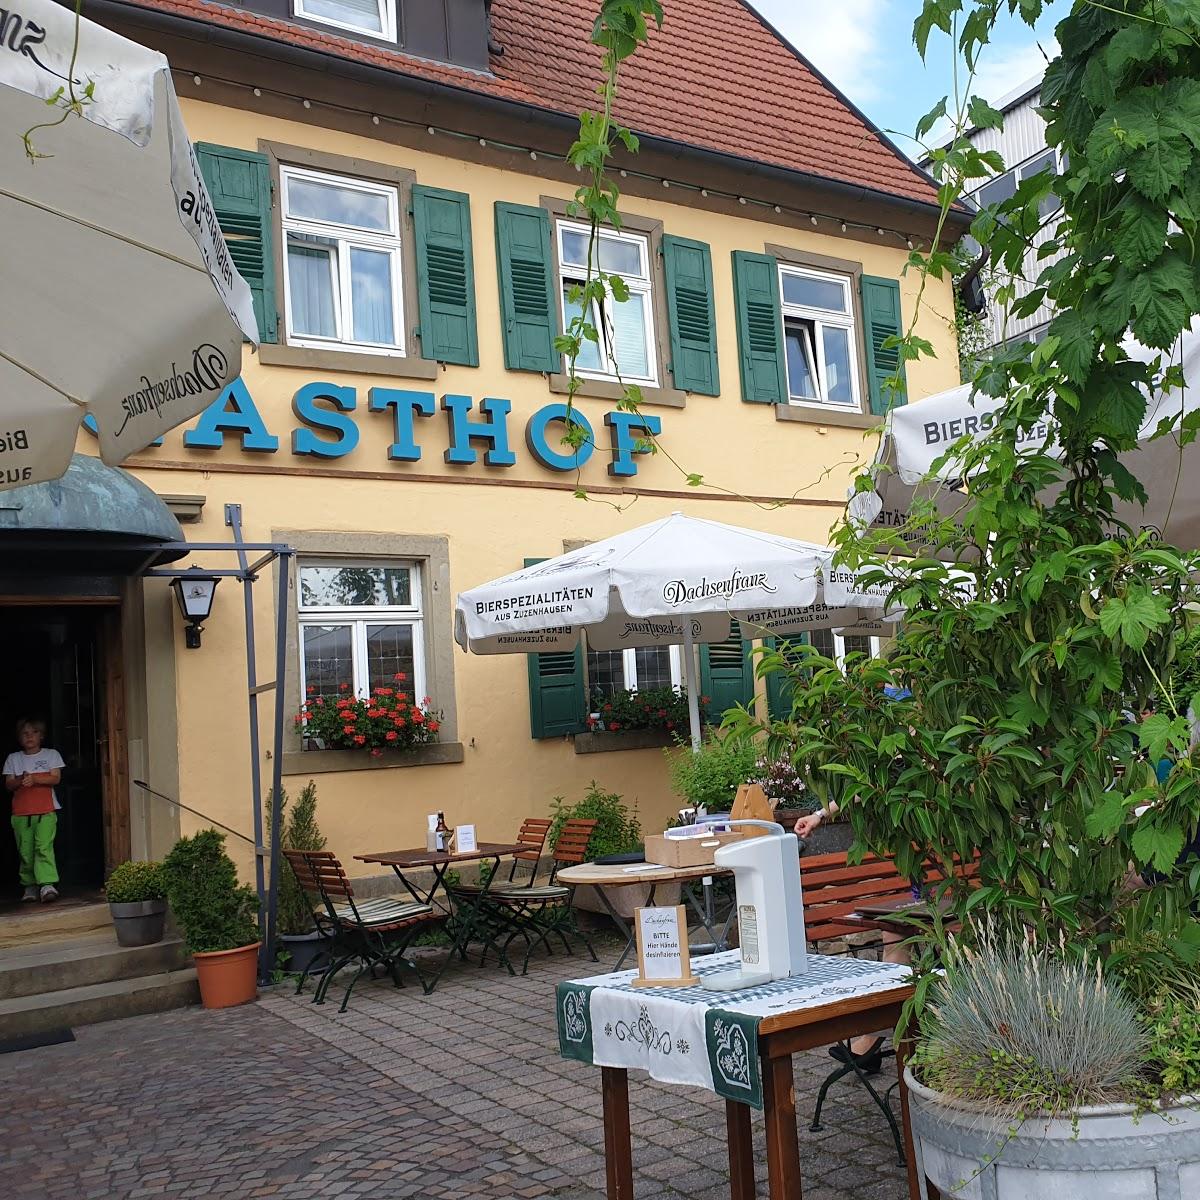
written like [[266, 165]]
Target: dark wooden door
[[51, 660]]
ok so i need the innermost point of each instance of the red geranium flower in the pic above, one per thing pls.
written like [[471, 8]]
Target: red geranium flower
[[705, 699], [391, 735], [433, 727], [376, 752], [670, 724], [299, 719], [347, 729], [400, 675], [360, 740], [343, 687], [418, 717], [614, 726], [311, 691], [399, 722], [662, 712]]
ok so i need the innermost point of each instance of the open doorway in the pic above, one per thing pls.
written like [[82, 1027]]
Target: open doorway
[[55, 669]]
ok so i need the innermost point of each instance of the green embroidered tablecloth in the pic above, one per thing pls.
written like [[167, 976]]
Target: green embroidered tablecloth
[[694, 1036]]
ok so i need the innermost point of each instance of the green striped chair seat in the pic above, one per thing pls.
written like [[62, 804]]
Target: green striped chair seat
[[547, 891], [386, 910]]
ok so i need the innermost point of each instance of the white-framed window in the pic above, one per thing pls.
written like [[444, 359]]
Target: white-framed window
[[819, 337], [627, 332], [360, 627], [639, 669], [341, 266], [835, 646], [374, 17]]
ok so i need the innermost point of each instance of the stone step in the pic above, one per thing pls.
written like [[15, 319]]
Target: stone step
[[33, 924], [24, 1015], [31, 970]]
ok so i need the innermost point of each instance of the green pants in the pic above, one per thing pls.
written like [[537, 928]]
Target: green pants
[[35, 845]]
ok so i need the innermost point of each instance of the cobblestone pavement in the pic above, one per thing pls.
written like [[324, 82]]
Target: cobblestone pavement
[[458, 1094]]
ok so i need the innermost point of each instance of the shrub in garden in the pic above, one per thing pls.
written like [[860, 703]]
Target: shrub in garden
[[618, 830], [1021, 1031], [214, 911], [298, 831], [712, 776]]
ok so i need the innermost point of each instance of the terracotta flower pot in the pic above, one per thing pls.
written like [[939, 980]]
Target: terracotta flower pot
[[228, 977]]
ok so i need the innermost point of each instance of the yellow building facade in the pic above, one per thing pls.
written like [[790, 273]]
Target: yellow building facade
[[401, 421]]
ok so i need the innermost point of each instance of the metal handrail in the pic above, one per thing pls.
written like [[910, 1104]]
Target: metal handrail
[[203, 816]]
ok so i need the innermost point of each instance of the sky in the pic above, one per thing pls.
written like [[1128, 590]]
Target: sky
[[865, 47]]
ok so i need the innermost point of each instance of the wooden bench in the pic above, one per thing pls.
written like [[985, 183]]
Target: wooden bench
[[834, 890]]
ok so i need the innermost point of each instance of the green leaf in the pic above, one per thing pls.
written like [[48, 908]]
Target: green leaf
[[1131, 619], [1076, 344], [1157, 846], [1105, 819], [1160, 312], [1142, 233], [982, 115]]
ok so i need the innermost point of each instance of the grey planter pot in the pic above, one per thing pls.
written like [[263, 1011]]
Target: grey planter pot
[[140, 922], [306, 952], [1106, 1152]]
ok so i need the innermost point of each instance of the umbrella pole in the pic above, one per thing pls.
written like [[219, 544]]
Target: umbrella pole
[[689, 672]]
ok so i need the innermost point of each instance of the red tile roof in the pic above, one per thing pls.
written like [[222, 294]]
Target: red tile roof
[[714, 77]]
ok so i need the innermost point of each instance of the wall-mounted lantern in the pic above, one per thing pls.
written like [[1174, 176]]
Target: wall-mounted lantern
[[194, 590]]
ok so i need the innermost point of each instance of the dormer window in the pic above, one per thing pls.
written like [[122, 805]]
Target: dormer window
[[377, 18]]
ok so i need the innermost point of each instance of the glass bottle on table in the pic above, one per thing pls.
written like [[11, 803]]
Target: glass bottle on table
[[442, 834]]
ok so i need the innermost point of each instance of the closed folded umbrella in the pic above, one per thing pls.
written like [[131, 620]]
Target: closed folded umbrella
[[118, 295]]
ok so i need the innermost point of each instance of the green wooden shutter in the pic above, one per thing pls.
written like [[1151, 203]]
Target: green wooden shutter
[[445, 275], [779, 688], [760, 327], [687, 266], [881, 316], [528, 301], [557, 700], [726, 674], [239, 182]]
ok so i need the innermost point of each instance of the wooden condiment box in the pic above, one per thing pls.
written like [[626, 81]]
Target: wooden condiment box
[[686, 852]]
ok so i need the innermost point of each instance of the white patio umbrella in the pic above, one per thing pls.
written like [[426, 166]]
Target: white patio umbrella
[[916, 435], [676, 581], [118, 295]]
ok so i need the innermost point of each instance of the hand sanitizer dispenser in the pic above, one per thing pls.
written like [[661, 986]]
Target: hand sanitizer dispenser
[[766, 872]]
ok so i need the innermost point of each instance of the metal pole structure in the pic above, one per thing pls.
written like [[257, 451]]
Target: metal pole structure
[[233, 518], [281, 608], [689, 668]]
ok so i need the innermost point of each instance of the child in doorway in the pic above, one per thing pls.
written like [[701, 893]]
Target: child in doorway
[[31, 774]]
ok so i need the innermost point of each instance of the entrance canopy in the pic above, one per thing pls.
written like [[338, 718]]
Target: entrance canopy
[[94, 519]]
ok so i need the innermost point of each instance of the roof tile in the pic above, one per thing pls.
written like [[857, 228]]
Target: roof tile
[[714, 77]]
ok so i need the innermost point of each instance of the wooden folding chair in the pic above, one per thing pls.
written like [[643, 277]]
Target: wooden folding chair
[[368, 932], [535, 911]]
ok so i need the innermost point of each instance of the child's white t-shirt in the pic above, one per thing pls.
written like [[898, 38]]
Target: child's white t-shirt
[[46, 759]]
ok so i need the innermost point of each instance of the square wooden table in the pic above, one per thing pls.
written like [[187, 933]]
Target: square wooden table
[[779, 1037], [412, 860]]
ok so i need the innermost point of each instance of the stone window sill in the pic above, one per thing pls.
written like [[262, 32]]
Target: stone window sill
[[852, 419], [601, 389], [276, 354], [323, 762], [623, 739]]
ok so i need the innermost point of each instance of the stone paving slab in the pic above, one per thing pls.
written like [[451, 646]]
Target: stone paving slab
[[460, 1094]]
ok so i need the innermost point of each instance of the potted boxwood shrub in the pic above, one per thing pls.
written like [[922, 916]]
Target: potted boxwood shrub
[[293, 908], [217, 916], [137, 902]]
